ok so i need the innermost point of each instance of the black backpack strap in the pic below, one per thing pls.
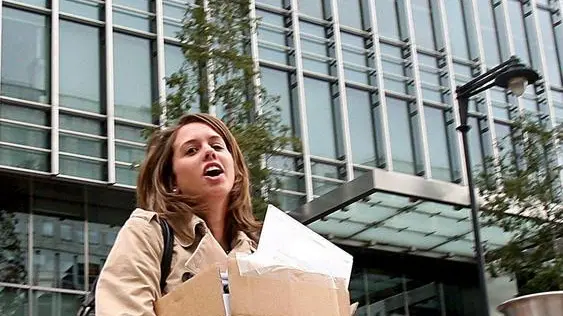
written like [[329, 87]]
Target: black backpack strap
[[168, 237]]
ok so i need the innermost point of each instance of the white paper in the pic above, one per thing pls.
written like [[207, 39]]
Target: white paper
[[227, 304], [285, 241]]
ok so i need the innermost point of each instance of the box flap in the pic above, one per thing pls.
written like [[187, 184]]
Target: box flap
[[286, 292], [202, 295]]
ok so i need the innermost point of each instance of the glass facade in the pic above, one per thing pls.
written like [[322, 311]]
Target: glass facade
[[364, 84]]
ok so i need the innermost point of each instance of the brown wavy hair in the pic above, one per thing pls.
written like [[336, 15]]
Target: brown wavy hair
[[156, 182]]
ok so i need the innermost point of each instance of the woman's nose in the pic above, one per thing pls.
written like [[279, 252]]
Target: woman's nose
[[210, 153]]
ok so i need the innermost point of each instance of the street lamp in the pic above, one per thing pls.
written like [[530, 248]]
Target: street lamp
[[511, 75]]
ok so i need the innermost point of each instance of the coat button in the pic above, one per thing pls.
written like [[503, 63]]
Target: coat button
[[186, 276]]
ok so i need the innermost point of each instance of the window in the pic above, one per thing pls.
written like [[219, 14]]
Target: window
[[488, 32], [134, 14], [518, 30], [83, 147], [173, 61], [134, 78], [350, 13], [173, 14], [315, 48], [66, 232], [321, 118], [356, 63], [394, 73], [388, 19], [273, 42], [315, 8], [361, 115], [401, 132], [80, 67], [424, 24], [555, 65], [457, 28], [277, 84], [479, 147], [129, 152], [91, 9], [20, 125], [47, 228], [25, 56], [431, 78], [441, 140]]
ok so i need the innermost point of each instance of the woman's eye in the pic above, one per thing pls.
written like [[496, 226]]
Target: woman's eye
[[191, 151], [217, 147]]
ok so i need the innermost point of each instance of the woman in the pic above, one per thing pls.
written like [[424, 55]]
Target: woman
[[195, 177]]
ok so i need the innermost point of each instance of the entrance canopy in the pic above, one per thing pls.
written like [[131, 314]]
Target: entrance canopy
[[399, 212]]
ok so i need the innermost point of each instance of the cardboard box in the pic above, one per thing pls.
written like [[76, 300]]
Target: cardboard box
[[278, 292]]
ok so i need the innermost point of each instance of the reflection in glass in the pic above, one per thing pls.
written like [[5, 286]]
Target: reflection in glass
[[25, 56], [14, 301], [53, 304], [477, 149], [83, 168], [80, 67], [286, 202], [133, 19], [394, 74], [277, 83], [355, 55], [321, 118], [133, 97], [173, 60], [13, 242]]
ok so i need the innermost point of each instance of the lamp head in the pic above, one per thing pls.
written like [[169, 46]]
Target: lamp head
[[516, 78]]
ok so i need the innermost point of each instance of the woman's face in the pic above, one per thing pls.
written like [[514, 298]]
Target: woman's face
[[201, 162]]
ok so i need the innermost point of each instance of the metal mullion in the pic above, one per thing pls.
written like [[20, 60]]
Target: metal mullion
[[132, 123], [13, 145], [128, 142], [271, 9], [26, 7], [418, 92], [278, 66], [361, 86], [26, 103], [9, 121], [81, 134], [316, 75], [345, 127], [83, 157], [55, 60], [379, 77], [301, 101], [80, 19], [133, 32], [134, 10], [210, 69], [80, 113], [110, 105], [160, 61], [452, 86]]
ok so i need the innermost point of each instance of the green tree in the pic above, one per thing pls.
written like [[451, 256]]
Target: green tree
[[522, 193], [219, 76]]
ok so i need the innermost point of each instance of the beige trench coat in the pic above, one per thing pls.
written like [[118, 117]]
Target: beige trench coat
[[129, 281]]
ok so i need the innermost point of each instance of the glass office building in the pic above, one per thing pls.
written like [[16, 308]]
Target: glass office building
[[368, 86]]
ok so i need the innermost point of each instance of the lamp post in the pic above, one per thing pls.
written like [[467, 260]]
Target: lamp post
[[512, 75]]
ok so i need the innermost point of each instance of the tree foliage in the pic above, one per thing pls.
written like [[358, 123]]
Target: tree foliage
[[522, 193], [218, 76]]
